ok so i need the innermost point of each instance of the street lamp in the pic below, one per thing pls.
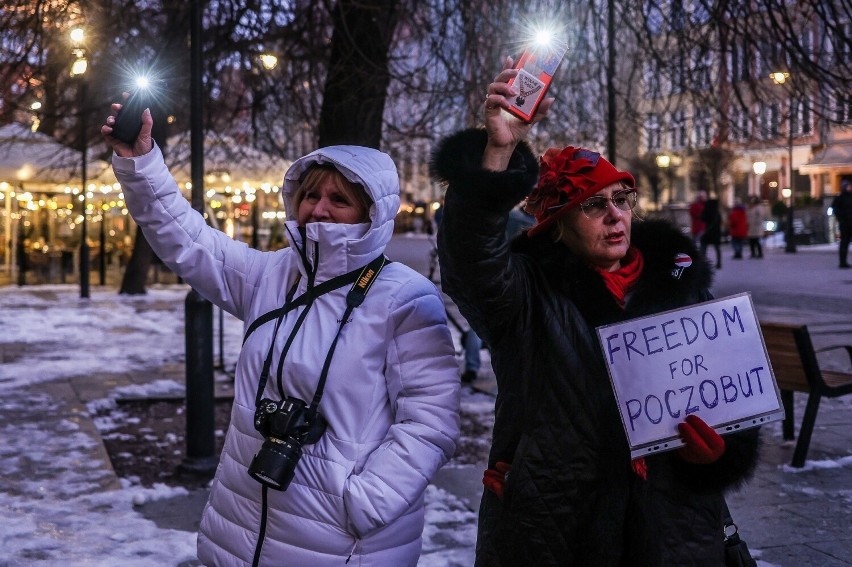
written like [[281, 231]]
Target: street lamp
[[102, 236], [198, 320], [78, 70], [780, 78], [759, 168], [268, 61], [664, 162], [35, 107]]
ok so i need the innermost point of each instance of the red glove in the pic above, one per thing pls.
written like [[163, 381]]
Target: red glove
[[495, 479], [703, 445]]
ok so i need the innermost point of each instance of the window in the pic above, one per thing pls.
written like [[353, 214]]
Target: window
[[768, 59], [677, 130], [807, 42], [678, 15], [652, 81], [703, 127], [678, 70], [769, 120], [653, 132], [801, 118], [841, 43], [738, 62], [654, 19], [702, 67], [740, 125], [843, 108]]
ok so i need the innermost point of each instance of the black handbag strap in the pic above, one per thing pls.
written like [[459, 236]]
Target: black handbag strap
[[737, 553], [728, 522]]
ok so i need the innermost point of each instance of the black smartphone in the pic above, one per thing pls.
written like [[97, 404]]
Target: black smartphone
[[128, 122]]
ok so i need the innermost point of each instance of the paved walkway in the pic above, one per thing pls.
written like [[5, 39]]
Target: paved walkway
[[789, 517]]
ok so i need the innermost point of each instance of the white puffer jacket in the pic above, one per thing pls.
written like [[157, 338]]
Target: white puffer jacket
[[392, 395]]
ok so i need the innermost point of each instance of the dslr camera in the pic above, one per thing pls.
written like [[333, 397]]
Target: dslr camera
[[285, 426]]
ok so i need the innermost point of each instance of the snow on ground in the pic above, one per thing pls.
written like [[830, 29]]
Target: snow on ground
[[53, 512]]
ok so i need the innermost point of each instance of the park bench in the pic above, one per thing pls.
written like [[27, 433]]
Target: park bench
[[794, 362]]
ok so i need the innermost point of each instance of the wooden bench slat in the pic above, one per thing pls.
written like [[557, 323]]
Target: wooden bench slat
[[837, 379], [796, 367]]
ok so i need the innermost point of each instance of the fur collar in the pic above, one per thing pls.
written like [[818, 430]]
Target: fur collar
[[658, 288], [458, 160]]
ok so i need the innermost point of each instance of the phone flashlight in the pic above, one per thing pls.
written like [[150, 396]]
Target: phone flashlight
[[128, 122], [536, 68]]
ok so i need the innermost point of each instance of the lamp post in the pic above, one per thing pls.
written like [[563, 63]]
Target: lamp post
[[102, 241], [198, 325], [20, 248], [664, 162], [759, 168], [780, 78], [78, 69]]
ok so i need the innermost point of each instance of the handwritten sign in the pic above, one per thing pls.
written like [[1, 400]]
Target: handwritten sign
[[708, 359]]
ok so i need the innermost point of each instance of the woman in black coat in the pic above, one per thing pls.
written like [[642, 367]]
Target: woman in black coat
[[561, 487], [712, 235]]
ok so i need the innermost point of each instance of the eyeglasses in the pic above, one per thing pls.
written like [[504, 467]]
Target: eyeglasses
[[596, 207]]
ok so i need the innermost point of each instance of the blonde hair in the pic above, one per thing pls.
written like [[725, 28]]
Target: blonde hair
[[316, 175]]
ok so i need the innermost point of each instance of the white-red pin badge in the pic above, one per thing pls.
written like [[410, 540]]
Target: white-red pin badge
[[681, 261]]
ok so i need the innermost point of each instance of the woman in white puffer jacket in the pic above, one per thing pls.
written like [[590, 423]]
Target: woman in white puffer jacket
[[392, 392]]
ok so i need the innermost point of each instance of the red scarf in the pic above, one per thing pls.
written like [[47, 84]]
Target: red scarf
[[619, 283], [624, 278]]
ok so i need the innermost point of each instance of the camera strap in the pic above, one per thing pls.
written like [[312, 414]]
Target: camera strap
[[312, 293], [354, 298], [362, 278]]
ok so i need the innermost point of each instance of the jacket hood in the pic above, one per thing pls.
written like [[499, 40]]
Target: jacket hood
[[370, 168]]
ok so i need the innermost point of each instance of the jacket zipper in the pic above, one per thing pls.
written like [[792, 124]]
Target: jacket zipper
[[261, 535], [351, 551]]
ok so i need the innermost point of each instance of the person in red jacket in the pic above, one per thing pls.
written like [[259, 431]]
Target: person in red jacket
[[696, 224], [738, 228]]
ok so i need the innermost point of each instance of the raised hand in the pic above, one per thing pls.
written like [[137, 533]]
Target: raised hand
[[505, 130], [143, 143]]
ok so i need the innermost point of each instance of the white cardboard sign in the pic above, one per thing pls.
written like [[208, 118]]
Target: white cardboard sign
[[708, 359]]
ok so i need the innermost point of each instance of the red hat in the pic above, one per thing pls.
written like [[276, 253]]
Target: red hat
[[566, 178]]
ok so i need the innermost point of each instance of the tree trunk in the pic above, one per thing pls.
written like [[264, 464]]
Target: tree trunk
[[136, 274], [358, 76]]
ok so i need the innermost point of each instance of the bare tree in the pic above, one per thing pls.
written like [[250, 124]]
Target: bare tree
[[719, 54], [403, 73]]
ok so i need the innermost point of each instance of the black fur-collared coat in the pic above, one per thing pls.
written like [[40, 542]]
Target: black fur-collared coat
[[572, 497]]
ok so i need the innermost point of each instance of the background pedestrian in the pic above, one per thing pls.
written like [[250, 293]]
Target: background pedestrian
[[842, 207], [712, 236], [696, 225], [756, 214], [738, 228]]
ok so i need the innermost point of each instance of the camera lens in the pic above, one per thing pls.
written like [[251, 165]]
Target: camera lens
[[275, 463]]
